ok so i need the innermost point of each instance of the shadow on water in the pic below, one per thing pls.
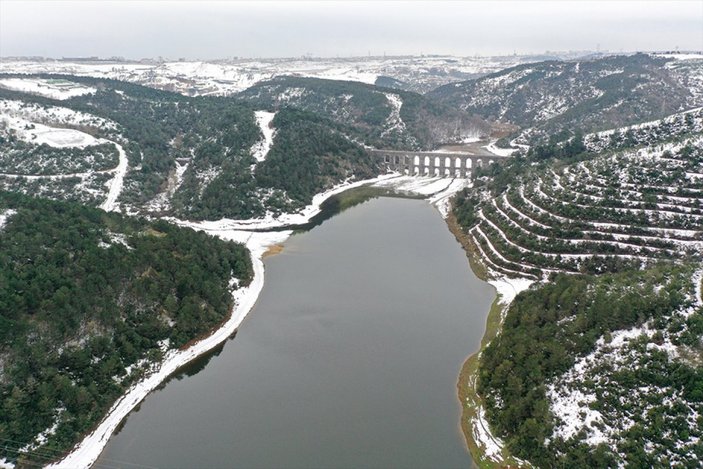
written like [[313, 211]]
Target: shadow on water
[[338, 203], [191, 368]]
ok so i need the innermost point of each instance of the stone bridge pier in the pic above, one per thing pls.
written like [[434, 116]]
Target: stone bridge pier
[[424, 163]]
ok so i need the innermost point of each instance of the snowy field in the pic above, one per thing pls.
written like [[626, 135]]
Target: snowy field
[[45, 124], [49, 88], [40, 134]]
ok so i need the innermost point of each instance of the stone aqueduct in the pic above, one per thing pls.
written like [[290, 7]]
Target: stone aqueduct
[[425, 163]]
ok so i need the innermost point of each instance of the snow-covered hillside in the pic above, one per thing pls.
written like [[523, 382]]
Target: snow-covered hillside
[[45, 154], [548, 97]]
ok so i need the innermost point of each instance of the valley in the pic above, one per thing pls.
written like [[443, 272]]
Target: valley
[[574, 185]]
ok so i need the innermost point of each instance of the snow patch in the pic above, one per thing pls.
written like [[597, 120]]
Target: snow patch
[[394, 123], [286, 219], [88, 450], [492, 446], [508, 288], [116, 184], [499, 151], [4, 216], [261, 148], [40, 134]]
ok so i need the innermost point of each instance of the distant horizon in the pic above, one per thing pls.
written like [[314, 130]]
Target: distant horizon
[[328, 29], [115, 58]]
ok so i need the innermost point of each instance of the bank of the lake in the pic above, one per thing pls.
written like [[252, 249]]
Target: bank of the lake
[[486, 451]]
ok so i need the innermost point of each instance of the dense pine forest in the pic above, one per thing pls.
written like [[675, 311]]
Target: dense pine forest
[[89, 301]]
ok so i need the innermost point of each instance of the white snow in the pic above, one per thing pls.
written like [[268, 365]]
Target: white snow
[[697, 280], [230, 76], [115, 238], [261, 148], [499, 151], [5, 464], [162, 201], [508, 288], [50, 88], [492, 446], [394, 123], [443, 199], [52, 115], [4, 216], [89, 449], [416, 185], [38, 134], [270, 221], [117, 182], [438, 190], [682, 56]]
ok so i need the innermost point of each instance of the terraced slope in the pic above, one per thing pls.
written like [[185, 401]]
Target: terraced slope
[[599, 363], [629, 208]]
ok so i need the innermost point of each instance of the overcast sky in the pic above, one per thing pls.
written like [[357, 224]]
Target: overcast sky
[[201, 29]]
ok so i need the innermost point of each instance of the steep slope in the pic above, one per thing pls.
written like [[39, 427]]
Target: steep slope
[[601, 371], [550, 97], [381, 117]]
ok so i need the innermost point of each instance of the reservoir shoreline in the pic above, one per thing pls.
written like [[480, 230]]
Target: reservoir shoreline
[[486, 450]]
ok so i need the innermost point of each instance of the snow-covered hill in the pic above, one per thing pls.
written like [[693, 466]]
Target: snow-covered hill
[[587, 95], [226, 77]]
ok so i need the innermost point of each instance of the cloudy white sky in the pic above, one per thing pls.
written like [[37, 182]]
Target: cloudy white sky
[[202, 29]]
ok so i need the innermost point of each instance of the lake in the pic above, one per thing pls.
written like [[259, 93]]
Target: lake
[[349, 359]]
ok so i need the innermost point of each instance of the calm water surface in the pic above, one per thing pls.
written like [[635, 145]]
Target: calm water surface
[[349, 359]]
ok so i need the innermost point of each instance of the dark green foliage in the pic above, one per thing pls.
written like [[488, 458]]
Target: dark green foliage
[[78, 306], [364, 110], [465, 209], [17, 157], [548, 328], [214, 136], [308, 157]]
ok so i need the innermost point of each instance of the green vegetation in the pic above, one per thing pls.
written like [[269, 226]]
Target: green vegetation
[[601, 367], [365, 111], [214, 137], [86, 296], [17, 157], [548, 329], [308, 156]]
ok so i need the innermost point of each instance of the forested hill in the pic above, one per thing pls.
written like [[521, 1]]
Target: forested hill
[[204, 157], [88, 301], [383, 117], [549, 97]]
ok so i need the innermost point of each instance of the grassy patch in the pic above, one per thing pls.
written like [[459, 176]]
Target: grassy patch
[[466, 385]]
